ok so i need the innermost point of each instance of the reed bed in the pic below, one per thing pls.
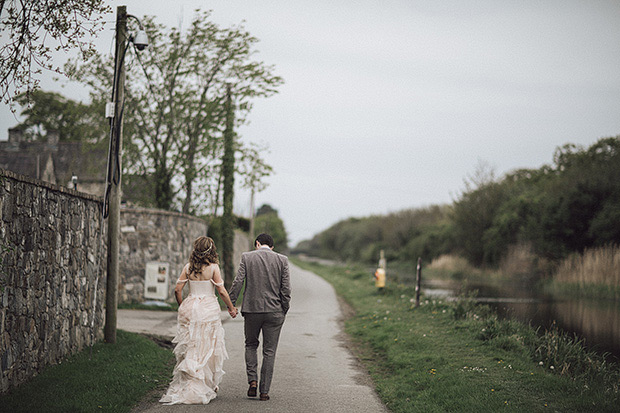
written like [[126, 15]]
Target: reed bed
[[595, 266]]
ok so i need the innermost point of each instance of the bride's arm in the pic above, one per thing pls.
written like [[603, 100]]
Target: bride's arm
[[219, 285], [178, 289]]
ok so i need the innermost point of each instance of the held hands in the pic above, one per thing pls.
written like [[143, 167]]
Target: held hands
[[233, 312]]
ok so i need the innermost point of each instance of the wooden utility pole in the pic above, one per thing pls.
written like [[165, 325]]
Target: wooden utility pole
[[115, 193], [228, 170], [418, 282]]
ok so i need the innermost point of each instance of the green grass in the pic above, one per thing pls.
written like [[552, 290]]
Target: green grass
[[114, 380], [461, 358]]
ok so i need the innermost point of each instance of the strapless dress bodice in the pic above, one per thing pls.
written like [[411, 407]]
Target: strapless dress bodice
[[198, 288]]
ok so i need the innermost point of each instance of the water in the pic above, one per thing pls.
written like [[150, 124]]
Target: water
[[597, 321]]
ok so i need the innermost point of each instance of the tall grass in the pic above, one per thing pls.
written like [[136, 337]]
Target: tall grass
[[453, 264], [595, 266]]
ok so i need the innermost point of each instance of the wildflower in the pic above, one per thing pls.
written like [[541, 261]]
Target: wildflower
[[552, 368], [443, 311], [402, 296], [379, 300], [387, 312], [540, 363], [411, 300]]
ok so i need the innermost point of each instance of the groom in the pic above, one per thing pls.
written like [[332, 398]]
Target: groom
[[266, 300]]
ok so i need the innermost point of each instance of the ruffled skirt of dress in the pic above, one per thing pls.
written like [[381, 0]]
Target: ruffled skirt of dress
[[200, 352]]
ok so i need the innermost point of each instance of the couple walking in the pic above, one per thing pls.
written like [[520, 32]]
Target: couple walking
[[200, 349]]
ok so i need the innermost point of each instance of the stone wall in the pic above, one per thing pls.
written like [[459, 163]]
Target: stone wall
[[151, 235], [52, 275]]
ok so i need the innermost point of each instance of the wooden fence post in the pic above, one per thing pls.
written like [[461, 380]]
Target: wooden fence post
[[418, 281]]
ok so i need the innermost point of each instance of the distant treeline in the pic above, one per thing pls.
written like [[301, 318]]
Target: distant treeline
[[553, 211]]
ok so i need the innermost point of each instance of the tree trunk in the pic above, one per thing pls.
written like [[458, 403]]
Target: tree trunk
[[228, 170], [190, 173], [163, 188]]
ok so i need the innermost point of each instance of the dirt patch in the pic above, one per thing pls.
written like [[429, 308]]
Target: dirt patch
[[161, 341]]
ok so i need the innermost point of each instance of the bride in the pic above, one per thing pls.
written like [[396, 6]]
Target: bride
[[200, 351]]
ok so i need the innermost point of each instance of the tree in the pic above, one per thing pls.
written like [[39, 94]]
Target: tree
[[268, 222], [174, 111], [45, 111], [475, 210], [33, 29]]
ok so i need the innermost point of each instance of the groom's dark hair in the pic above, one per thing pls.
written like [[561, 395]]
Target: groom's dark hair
[[265, 239]]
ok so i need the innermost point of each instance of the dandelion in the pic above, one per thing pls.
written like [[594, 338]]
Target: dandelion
[[395, 339], [492, 389]]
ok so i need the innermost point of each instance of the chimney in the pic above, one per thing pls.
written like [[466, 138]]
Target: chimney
[[16, 135], [52, 137]]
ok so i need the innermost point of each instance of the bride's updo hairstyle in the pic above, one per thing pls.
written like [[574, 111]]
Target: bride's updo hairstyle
[[204, 253]]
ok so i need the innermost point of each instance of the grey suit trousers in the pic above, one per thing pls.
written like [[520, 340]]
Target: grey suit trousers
[[271, 325]]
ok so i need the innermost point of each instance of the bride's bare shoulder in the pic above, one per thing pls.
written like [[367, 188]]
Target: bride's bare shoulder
[[207, 271]]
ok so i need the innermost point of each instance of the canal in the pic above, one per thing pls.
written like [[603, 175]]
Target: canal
[[596, 321]]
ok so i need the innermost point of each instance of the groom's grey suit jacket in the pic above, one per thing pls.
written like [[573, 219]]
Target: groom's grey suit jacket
[[267, 282]]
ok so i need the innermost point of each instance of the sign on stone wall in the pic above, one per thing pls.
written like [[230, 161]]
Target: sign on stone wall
[[156, 280]]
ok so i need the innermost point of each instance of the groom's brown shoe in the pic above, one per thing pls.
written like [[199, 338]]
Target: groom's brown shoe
[[264, 396], [252, 389]]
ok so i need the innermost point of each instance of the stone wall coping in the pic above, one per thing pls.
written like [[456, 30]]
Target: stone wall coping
[[50, 186], [153, 211]]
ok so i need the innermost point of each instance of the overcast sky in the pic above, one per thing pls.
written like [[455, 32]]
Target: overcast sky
[[390, 104]]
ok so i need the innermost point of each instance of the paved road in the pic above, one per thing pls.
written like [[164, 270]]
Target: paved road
[[314, 370]]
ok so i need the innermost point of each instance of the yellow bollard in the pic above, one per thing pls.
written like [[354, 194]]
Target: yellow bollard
[[380, 279]]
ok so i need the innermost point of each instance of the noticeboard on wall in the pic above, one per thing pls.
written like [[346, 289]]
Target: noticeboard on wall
[[156, 279]]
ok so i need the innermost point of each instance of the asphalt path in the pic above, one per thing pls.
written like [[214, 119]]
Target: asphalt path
[[314, 369]]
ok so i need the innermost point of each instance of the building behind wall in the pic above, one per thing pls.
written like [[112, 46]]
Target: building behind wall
[[55, 162]]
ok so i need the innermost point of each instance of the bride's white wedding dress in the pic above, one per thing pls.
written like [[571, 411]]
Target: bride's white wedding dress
[[200, 349]]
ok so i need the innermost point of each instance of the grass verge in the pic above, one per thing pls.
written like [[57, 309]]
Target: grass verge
[[461, 357], [114, 380]]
